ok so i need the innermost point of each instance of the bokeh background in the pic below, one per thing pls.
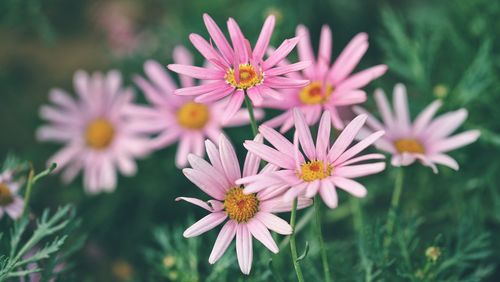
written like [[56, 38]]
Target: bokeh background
[[445, 50]]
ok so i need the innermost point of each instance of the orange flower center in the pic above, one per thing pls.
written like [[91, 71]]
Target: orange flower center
[[6, 197], [409, 146], [240, 207], [315, 93], [193, 115], [99, 134], [314, 170], [248, 77]]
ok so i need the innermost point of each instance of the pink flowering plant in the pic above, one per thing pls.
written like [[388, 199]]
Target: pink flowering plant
[[319, 176]]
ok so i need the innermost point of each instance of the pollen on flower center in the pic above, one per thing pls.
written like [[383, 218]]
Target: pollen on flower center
[[193, 115], [314, 170], [6, 197], [99, 133], [248, 77], [315, 93], [409, 146], [240, 207]]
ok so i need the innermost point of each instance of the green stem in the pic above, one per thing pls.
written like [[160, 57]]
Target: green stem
[[32, 179], [324, 257], [391, 217], [253, 122], [357, 215], [293, 244]]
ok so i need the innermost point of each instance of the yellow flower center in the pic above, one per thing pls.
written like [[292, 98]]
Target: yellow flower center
[[315, 93], [248, 77], [99, 134], [314, 170], [193, 115], [240, 207], [409, 146], [6, 197]]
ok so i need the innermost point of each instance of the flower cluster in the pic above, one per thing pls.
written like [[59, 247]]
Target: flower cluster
[[104, 130]]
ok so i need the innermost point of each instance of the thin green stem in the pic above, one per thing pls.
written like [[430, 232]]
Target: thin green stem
[[293, 244], [357, 214], [253, 122], [32, 179], [324, 257], [391, 217]]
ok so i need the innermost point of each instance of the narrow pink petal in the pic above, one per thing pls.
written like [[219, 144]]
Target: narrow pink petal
[[238, 40], [214, 155], [183, 57], [81, 81], [15, 209], [444, 160], [65, 155], [274, 223], [445, 124], [456, 141], [265, 36], [270, 155], [278, 141], [158, 74], [233, 105], [206, 50], [295, 191], [354, 171], [401, 108], [219, 38], [215, 95], [351, 186], [271, 93], [325, 46], [345, 138], [349, 58], [384, 108], [304, 48], [223, 241], [336, 120], [323, 138], [183, 150], [284, 82], [201, 89], [255, 96], [371, 121], [244, 250], [216, 176], [63, 99], [197, 72], [152, 94], [199, 203], [205, 183], [252, 161], [351, 97], [363, 158], [243, 118], [302, 129], [279, 54], [203, 225], [402, 159], [328, 193], [263, 183], [261, 233], [423, 119], [360, 146], [229, 160], [312, 188], [164, 139], [288, 68], [362, 78]]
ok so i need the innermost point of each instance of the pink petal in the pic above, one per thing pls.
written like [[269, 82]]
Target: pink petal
[[238, 40], [277, 140], [206, 50], [351, 186], [304, 48], [312, 189], [364, 158], [295, 191], [216, 176], [255, 96], [244, 250], [444, 160], [423, 119], [62, 99], [323, 138], [152, 94], [219, 38], [270, 155], [456, 141], [350, 98], [345, 138], [274, 223], [197, 72], [81, 83], [203, 225], [264, 38], [201, 203], [229, 160], [158, 74], [371, 121], [205, 183], [328, 193], [384, 108], [302, 129], [252, 161], [354, 171], [325, 46], [362, 78], [279, 54], [360, 146], [201, 89], [214, 155], [261, 233], [271, 93], [215, 95], [15, 209], [223, 241], [183, 56], [183, 150], [401, 108], [445, 124], [349, 58], [288, 68], [233, 105]]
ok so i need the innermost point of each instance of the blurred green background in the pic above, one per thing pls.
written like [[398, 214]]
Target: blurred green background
[[445, 50]]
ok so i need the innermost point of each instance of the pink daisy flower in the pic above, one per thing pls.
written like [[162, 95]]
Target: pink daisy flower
[[177, 118], [425, 140], [331, 87], [320, 168], [247, 215], [239, 69], [97, 130], [10, 202]]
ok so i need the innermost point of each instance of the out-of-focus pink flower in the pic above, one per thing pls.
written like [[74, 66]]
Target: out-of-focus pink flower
[[320, 168], [250, 215], [98, 130], [239, 68], [177, 118], [10, 202], [425, 140], [331, 86]]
